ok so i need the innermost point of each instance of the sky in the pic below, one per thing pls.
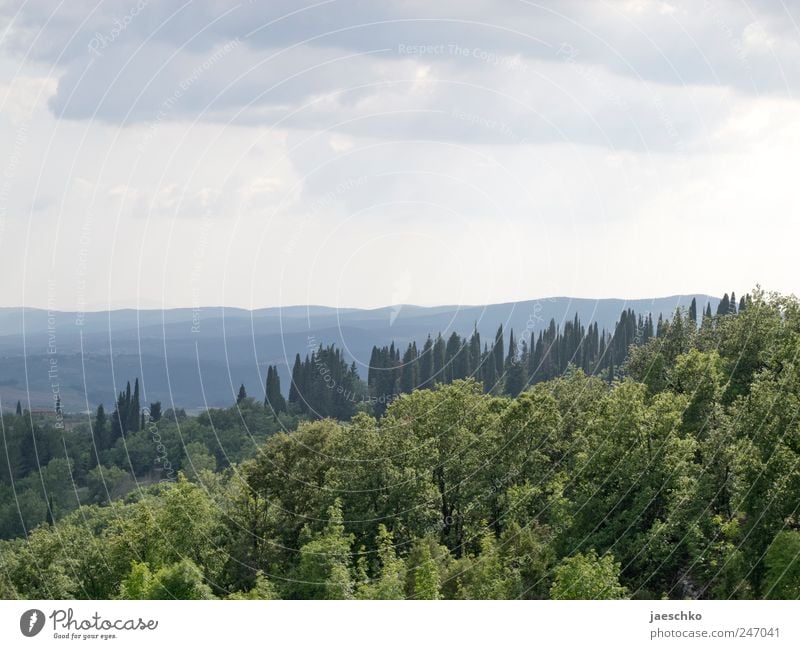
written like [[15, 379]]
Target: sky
[[360, 154]]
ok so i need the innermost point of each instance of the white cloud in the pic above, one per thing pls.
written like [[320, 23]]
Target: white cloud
[[594, 150]]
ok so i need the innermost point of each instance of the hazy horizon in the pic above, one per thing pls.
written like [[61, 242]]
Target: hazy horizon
[[93, 309]]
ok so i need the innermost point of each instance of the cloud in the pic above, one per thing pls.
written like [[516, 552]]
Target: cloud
[[340, 61], [563, 147]]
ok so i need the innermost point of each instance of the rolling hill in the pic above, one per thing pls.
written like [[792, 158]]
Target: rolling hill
[[197, 358]]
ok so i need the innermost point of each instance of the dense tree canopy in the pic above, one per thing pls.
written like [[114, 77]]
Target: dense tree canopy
[[673, 472]]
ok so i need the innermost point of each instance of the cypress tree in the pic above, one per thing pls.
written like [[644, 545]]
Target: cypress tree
[[409, 372], [297, 378], [134, 409], [374, 359], [464, 359], [602, 353], [438, 359], [724, 306], [276, 396], [515, 378], [499, 354], [315, 398], [693, 311], [512, 350], [475, 351], [488, 369], [119, 418], [597, 354], [101, 428], [378, 360], [548, 344], [535, 360], [155, 411], [273, 398], [530, 359], [451, 365], [307, 384], [523, 354], [116, 421], [242, 394], [426, 363], [675, 339], [28, 461], [19, 408], [385, 380]]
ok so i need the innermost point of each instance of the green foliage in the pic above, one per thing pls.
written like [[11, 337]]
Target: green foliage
[[138, 584], [426, 575], [485, 575], [587, 576], [197, 460], [676, 479], [180, 580], [782, 561], [105, 484], [389, 581], [325, 385], [699, 376], [81, 464], [273, 399], [324, 570], [262, 589]]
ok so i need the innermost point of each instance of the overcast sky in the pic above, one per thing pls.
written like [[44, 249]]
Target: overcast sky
[[369, 153]]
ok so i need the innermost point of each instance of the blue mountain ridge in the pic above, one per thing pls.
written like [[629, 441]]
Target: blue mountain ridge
[[197, 358]]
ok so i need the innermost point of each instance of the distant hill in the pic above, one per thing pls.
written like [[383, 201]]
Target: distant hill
[[194, 359]]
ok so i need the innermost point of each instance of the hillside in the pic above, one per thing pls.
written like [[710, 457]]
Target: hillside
[[674, 475], [193, 359]]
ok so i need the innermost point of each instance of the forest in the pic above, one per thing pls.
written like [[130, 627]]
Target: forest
[[658, 460]]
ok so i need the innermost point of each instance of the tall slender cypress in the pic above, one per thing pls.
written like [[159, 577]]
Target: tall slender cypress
[[297, 377], [426, 363], [134, 420], [273, 397], [499, 354], [724, 306]]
